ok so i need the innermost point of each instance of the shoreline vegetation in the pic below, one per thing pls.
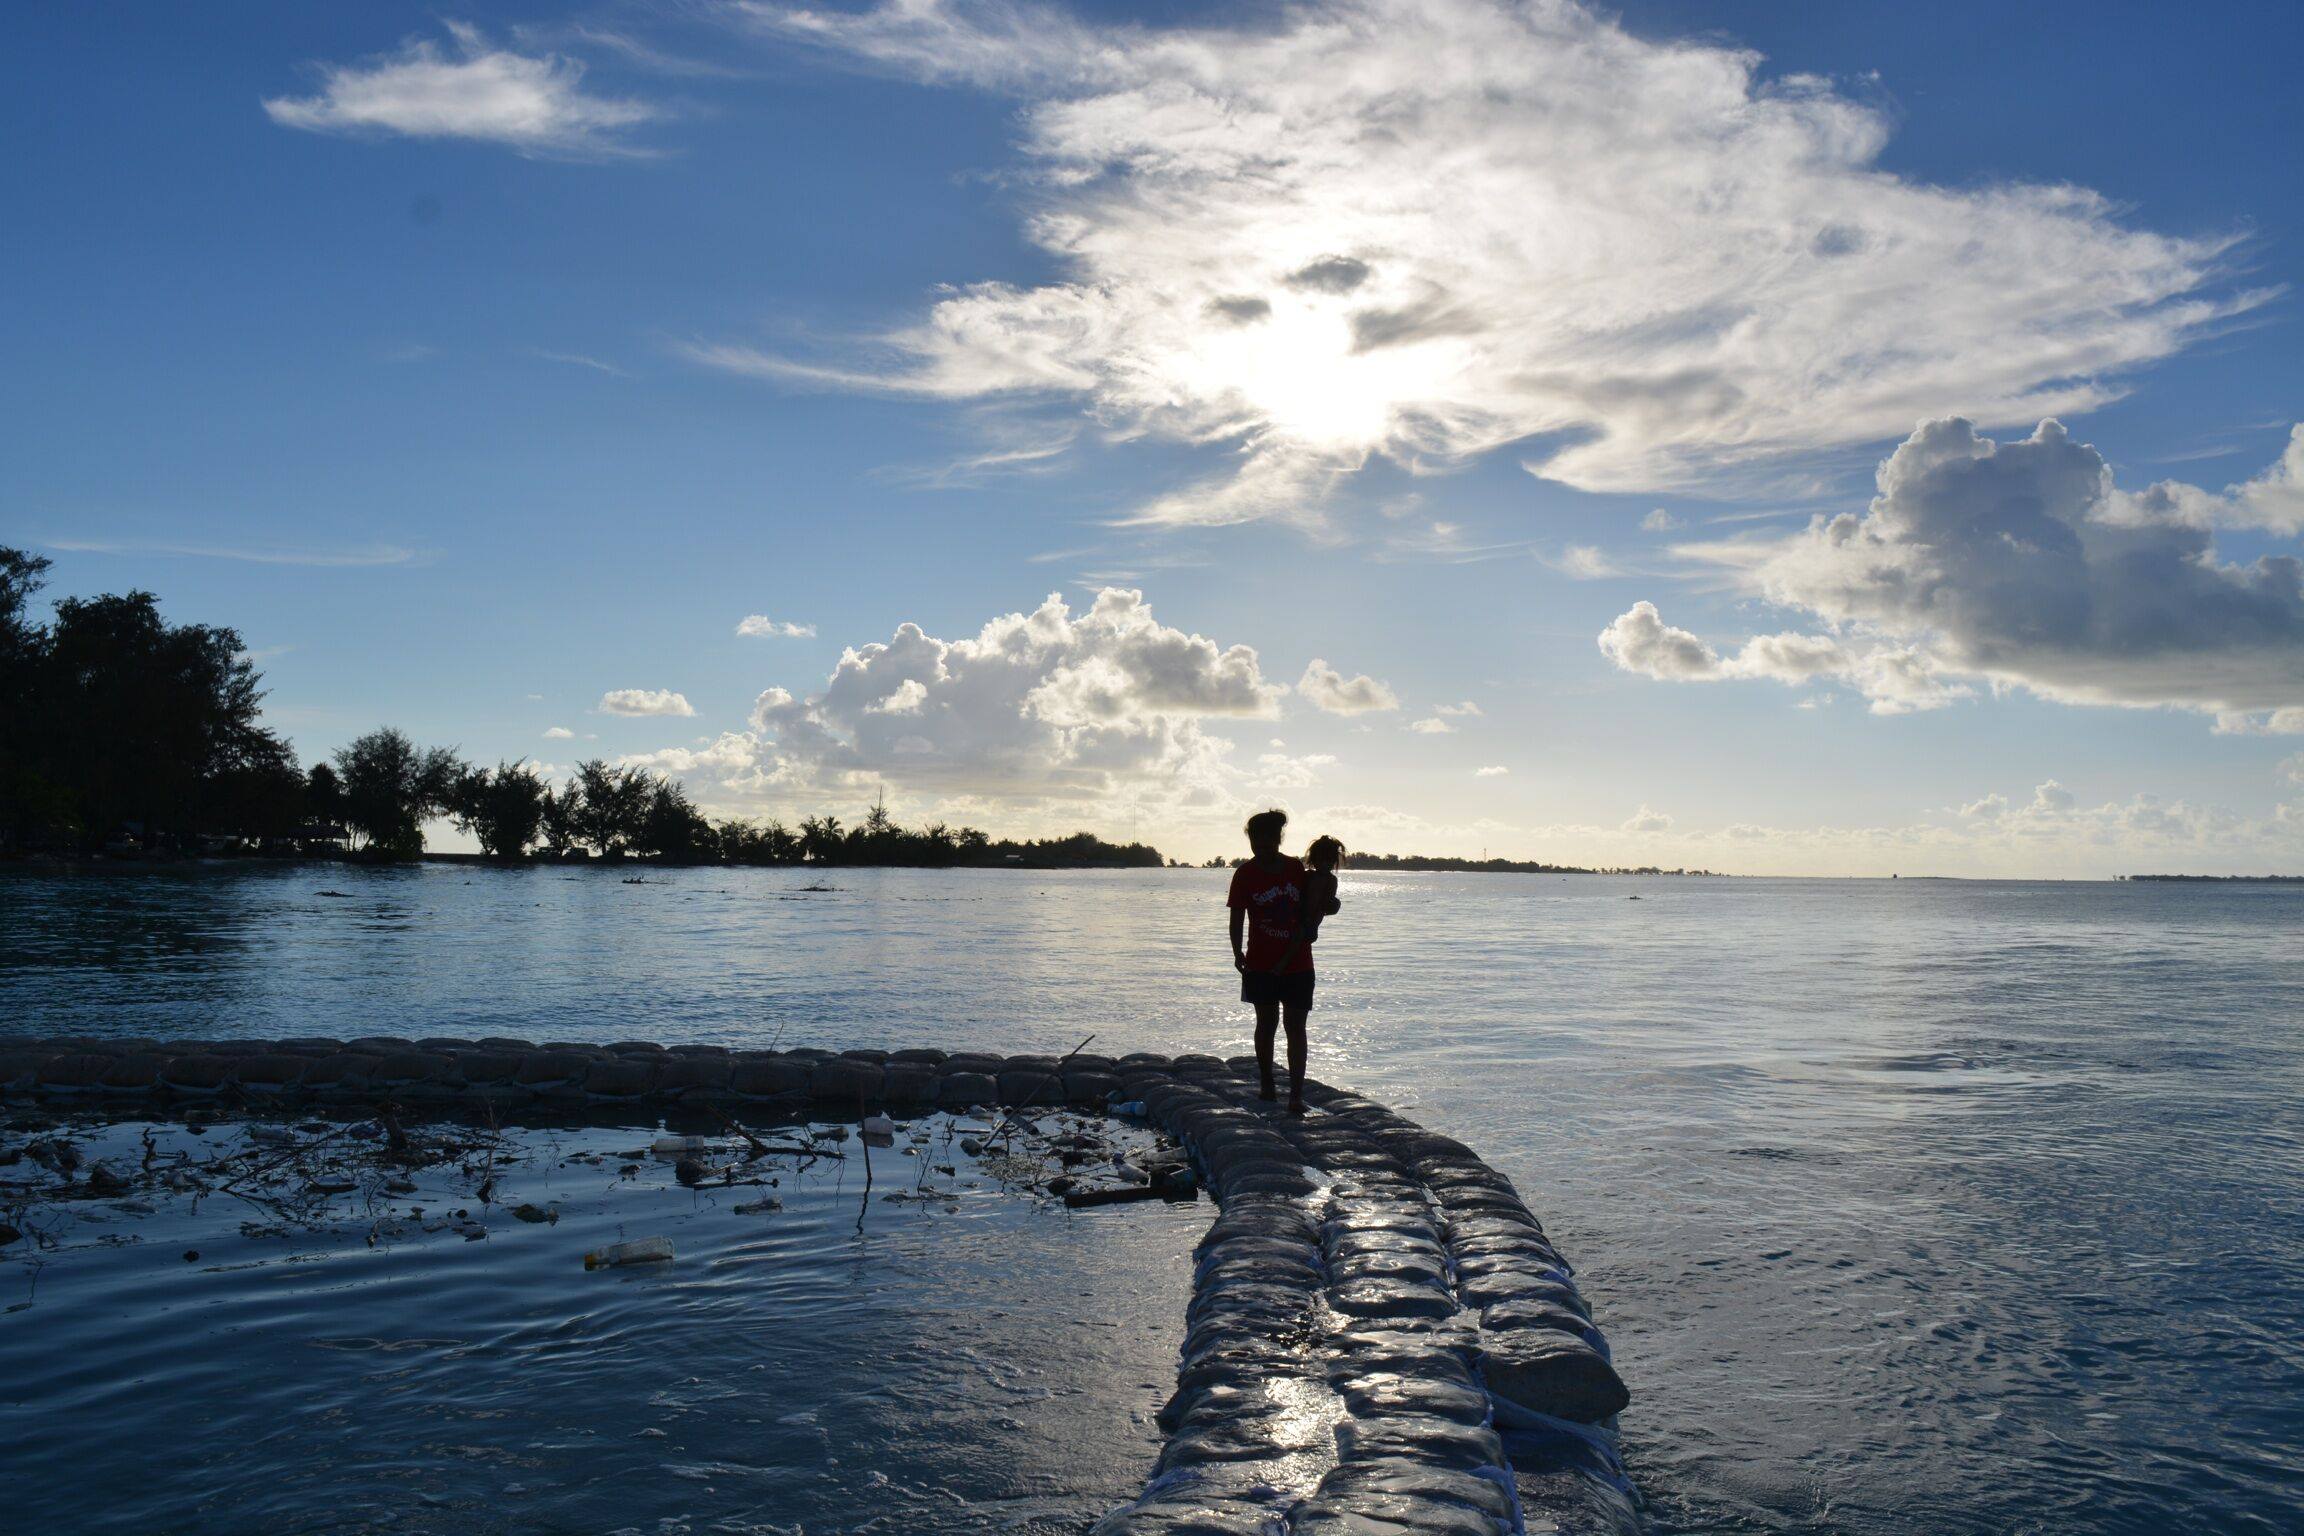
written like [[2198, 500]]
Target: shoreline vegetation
[[126, 738]]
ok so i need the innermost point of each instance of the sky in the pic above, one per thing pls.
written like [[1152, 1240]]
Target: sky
[[1821, 437]]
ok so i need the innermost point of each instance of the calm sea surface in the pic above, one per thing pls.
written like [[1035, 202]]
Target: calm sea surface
[[1911, 1206]]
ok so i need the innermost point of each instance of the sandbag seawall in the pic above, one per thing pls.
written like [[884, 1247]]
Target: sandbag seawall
[[505, 1073], [1372, 1307]]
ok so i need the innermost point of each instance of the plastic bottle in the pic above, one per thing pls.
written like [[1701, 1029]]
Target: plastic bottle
[[680, 1146], [879, 1131], [647, 1250]]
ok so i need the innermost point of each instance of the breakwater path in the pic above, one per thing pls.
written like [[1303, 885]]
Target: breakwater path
[[1380, 1338]]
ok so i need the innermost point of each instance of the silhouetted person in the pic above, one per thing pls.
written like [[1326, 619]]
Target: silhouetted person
[[1270, 951]]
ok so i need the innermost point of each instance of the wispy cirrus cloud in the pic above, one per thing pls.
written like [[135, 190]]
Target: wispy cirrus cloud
[[369, 554], [535, 104], [1423, 230]]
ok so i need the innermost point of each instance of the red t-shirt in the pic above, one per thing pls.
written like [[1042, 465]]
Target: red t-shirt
[[1273, 898]]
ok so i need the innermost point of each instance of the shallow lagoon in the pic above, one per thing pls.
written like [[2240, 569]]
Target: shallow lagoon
[[1911, 1206], [975, 1361]]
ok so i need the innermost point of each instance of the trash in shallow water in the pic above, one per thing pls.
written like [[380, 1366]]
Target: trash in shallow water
[[680, 1146], [646, 1250], [879, 1131]]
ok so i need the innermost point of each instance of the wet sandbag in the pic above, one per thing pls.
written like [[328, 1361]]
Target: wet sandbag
[[1552, 1373]]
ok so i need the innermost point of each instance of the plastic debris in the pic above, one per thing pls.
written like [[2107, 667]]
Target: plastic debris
[[879, 1131], [646, 1250], [680, 1146]]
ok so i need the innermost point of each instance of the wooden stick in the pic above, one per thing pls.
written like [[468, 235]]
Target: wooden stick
[[760, 1148]]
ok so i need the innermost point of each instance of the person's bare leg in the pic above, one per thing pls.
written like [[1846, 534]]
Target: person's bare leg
[[1297, 1050], [1267, 1024]]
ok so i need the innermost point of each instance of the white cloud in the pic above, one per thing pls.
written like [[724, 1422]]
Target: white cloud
[[1646, 820], [1457, 710], [2271, 722], [1045, 709], [2052, 798], [643, 701], [2273, 500], [579, 360], [1277, 770], [1323, 687], [1658, 521], [2018, 565], [1658, 264], [559, 733], [535, 105], [1493, 771], [1435, 726], [1585, 562], [759, 625]]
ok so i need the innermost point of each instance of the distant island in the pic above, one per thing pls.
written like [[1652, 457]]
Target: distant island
[[2221, 879]]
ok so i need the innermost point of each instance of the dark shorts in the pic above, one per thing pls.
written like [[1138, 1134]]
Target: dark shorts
[[1293, 990]]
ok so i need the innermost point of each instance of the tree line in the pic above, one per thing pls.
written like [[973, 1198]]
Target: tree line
[[117, 727]]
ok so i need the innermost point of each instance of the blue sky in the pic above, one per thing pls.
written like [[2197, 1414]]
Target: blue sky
[[480, 365]]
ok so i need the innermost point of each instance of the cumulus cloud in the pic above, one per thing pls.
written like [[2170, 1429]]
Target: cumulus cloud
[[536, 105], [643, 701], [1277, 770], [1493, 771], [559, 733], [1658, 521], [1433, 726], [1646, 820], [1325, 688], [1046, 707], [1421, 230], [760, 626], [2017, 564], [1457, 711], [2272, 501]]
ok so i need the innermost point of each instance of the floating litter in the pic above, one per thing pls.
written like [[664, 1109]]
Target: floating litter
[[647, 1250]]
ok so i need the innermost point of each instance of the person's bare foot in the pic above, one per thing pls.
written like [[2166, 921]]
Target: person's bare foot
[[1269, 1095], [1295, 1106]]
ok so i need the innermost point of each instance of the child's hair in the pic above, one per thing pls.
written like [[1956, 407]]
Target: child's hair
[[1266, 826], [1325, 853]]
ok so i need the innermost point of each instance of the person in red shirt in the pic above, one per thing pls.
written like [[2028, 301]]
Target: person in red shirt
[[1267, 900]]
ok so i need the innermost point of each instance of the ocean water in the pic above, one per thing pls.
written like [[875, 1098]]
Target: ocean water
[[1908, 1206]]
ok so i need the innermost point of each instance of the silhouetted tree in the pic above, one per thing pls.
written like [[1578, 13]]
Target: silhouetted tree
[[560, 812], [821, 841], [29, 799], [391, 787], [323, 795], [139, 719], [673, 828], [503, 810], [612, 812]]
